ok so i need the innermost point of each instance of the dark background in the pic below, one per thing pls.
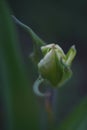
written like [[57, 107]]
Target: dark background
[[64, 23]]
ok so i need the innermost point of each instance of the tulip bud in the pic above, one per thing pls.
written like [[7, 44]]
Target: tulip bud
[[55, 65]]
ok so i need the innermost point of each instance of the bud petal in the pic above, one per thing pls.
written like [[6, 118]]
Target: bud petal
[[70, 55], [55, 65], [49, 67]]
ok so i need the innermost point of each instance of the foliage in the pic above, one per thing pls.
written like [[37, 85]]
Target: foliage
[[17, 95]]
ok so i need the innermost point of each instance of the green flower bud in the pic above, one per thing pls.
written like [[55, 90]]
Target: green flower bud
[[55, 65]]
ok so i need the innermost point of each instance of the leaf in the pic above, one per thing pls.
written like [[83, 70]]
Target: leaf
[[21, 109], [77, 120]]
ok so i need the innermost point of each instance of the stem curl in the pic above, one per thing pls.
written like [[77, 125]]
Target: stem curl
[[36, 88]]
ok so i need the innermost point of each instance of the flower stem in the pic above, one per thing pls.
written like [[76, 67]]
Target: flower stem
[[36, 39], [36, 87]]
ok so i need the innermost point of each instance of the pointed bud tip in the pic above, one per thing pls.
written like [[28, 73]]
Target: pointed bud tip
[[73, 47]]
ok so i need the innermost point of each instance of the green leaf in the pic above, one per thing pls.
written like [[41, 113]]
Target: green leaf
[[77, 120], [21, 108]]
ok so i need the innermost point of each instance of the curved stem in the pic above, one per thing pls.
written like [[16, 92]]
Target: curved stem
[[33, 35], [36, 88]]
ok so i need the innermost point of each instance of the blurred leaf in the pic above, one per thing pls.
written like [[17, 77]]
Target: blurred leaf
[[77, 120], [21, 109]]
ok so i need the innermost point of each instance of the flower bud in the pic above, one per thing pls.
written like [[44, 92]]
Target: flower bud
[[55, 65]]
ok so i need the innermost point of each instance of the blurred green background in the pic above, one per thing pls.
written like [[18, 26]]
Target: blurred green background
[[64, 23]]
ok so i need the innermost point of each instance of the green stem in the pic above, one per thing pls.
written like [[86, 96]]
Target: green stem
[[34, 37], [37, 41], [36, 88]]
